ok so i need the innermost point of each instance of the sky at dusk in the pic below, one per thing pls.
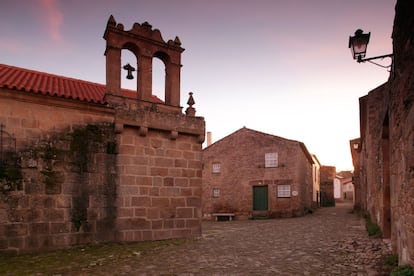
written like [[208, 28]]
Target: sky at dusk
[[276, 66]]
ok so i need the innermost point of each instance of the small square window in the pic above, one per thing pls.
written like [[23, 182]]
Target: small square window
[[271, 160], [283, 190], [216, 167], [216, 192]]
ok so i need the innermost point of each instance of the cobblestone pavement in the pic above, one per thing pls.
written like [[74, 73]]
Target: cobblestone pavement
[[332, 241]]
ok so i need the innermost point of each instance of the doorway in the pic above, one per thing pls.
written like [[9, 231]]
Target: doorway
[[260, 198]]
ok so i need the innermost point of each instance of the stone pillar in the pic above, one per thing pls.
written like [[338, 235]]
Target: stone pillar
[[144, 78], [172, 84], [113, 70]]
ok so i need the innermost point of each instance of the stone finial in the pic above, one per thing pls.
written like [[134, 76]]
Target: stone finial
[[190, 111], [147, 26], [111, 21], [177, 41], [191, 101]]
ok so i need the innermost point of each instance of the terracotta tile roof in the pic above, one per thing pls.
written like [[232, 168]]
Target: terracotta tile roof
[[31, 81]]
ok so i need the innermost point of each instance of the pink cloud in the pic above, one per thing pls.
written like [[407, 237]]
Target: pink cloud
[[11, 45], [54, 18]]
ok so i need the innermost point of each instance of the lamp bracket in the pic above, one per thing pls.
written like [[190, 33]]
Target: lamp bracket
[[377, 57], [372, 58]]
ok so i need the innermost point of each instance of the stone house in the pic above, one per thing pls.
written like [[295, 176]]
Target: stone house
[[343, 186], [85, 163], [383, 155], [250, 173], [328, 174]]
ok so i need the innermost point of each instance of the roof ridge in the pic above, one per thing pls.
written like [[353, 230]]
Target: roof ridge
[[256, 131], [301, 144], [273, 135]]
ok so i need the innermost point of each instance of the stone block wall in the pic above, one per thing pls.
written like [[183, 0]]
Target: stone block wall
[[306, 176], [373, 180], [386, 158], [62, 189], [401, 109], [159, 193], [31, 118]]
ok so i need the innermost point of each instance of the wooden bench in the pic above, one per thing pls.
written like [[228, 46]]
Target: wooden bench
[[229, 215]]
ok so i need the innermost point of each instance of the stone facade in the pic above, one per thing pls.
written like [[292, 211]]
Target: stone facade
[[238, 179], [383, 156], [159, 188], [103, 167], [328, 174]]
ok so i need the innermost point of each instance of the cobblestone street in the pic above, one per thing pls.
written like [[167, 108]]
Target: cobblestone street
[[332, 241]]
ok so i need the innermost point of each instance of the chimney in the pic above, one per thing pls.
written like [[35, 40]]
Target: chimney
[[209, 142]]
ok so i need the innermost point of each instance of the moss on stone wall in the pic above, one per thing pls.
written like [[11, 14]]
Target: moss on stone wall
[[53, 181], [50, 176], [85, 142], [66, 159], [10, 179], [10, 172], [88, 140]]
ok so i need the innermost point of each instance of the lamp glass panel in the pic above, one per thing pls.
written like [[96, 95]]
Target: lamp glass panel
[[359, 50], [359, 45]]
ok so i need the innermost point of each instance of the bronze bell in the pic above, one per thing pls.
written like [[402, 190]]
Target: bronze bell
[[130, 69]]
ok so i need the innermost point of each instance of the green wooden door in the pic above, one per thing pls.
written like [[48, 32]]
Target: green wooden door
[[259, 198]]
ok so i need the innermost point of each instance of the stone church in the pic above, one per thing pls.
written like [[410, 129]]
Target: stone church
[[383, 155], [84, 163]]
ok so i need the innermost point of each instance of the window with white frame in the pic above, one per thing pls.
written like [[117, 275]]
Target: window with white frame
[[283, 190], [216, 167], [216, 192], [271, 160]]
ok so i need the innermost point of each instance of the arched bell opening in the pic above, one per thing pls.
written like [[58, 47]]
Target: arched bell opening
[[129, 72], [158, 78]]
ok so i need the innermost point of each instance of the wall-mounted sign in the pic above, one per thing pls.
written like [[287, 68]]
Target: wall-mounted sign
[[295, 193]]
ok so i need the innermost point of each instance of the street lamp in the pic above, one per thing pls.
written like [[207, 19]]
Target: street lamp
[[358, 45]]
